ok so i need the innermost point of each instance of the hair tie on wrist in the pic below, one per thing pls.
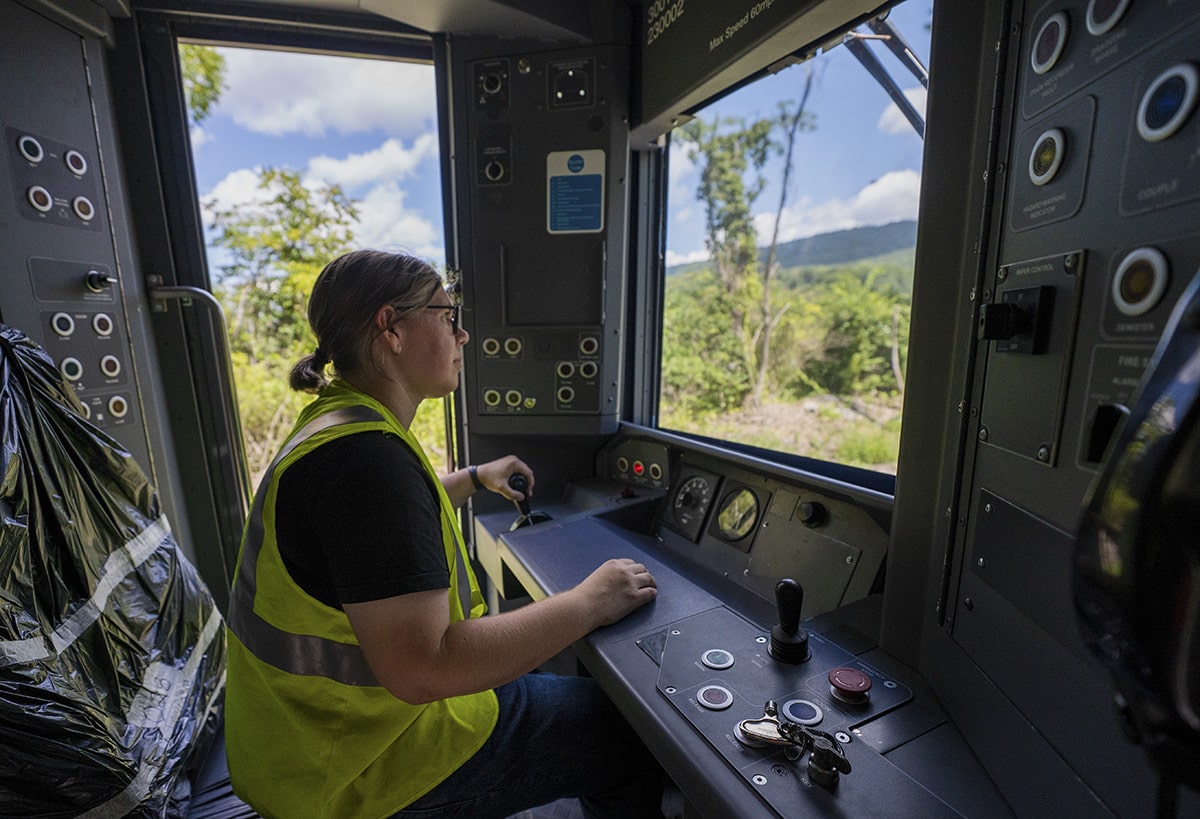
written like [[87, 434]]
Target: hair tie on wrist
[[474, 473]]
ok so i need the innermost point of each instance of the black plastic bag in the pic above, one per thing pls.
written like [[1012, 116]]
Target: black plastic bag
[[112, 652]]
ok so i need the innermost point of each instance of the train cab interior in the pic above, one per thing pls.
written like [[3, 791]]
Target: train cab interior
[[1000, 620]]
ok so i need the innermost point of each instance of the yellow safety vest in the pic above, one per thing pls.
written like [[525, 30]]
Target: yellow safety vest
[[308, 729]]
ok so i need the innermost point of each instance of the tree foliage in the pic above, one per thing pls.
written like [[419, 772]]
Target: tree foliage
[[203, 71], [743, 326], [274, 249]]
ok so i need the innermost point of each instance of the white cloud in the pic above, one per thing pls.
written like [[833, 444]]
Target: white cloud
[[279, 93], [239, 188], [390, 161], [892, 121], [199, 137], [682, 168], [674, 258], [385, 223], [891, 197]]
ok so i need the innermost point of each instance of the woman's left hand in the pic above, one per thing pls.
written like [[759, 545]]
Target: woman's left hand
[[494, 476]]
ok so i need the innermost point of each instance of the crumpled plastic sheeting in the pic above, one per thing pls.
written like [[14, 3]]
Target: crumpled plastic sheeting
[[112, 652]]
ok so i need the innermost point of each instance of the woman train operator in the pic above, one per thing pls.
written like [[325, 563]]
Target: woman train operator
[[363, 680]]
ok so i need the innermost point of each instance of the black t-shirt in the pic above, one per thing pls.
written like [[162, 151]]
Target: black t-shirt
[[357, 520]]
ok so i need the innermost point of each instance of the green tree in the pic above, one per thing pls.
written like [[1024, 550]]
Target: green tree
[[203, 72], [276, 248], [732, 154], [704, 370], [862, 343]]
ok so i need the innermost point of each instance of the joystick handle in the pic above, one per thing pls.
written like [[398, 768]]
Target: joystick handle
[[789, 598], [519, 483], [789, 640]]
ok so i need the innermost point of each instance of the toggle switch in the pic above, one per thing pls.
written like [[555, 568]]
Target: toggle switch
[[1020, 321]]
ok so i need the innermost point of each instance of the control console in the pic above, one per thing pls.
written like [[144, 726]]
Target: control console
[[788, 727]]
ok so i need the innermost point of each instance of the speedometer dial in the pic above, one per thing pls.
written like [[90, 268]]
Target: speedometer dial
[[692, 500]]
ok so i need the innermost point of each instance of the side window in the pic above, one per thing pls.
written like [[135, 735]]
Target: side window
[[791, 231], [298, 158]]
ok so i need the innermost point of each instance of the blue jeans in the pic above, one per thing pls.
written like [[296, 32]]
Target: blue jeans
[[556, 737]]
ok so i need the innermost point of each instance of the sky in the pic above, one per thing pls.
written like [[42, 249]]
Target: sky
[[371, 127]]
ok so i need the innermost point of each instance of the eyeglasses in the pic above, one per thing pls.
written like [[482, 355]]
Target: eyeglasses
[[455, 313]]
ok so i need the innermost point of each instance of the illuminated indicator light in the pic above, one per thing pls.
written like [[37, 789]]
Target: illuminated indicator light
[[1140, 281], [1049, 43], [1168, 102], [638, 467], [1047, 156]]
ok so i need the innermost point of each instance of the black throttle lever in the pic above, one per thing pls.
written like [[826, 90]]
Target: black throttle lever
[[519, 483]]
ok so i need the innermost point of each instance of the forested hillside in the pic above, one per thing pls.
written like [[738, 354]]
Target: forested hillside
[[834, 378]]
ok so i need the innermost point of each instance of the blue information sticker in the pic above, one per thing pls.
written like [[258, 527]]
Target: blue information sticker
[[575, 191]]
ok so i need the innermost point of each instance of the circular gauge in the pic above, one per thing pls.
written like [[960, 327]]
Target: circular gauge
[[738, 514], [692, 500]]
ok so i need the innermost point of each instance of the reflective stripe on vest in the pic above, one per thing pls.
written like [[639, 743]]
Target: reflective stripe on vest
[[305, 654]]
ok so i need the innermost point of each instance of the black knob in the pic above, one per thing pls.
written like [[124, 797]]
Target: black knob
[[98, 282], [789, 598], [812, 514], [826, 761], [519, 483], [789, 640]]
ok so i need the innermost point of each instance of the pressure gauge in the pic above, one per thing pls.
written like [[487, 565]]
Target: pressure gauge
[[738, 514]]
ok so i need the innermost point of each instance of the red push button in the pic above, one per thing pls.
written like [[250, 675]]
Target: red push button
[[849, 685]]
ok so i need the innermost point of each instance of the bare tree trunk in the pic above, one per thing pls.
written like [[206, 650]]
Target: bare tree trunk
[[791, 124]]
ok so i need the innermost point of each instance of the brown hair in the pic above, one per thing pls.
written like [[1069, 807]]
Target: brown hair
[[343, 303]]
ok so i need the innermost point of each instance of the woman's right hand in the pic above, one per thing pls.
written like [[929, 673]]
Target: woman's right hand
[[616, 588]]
